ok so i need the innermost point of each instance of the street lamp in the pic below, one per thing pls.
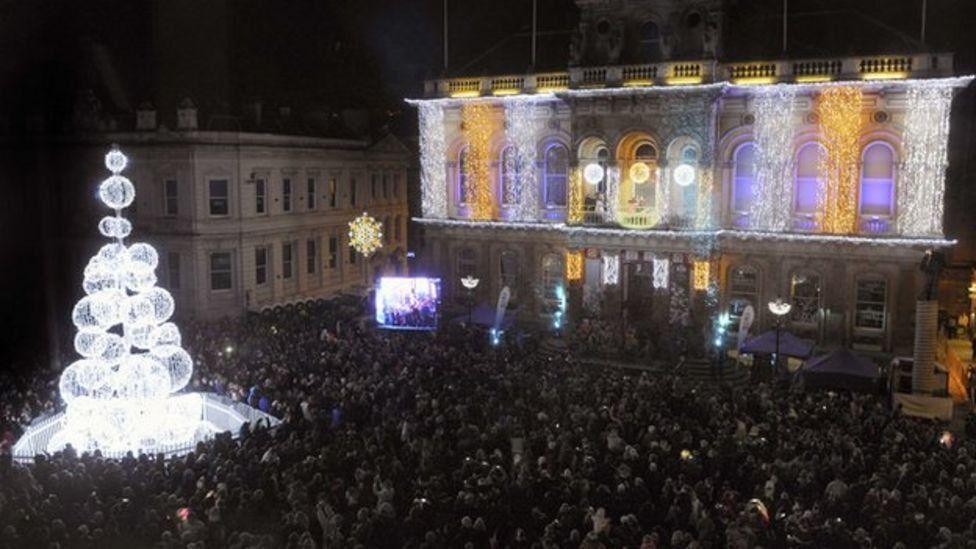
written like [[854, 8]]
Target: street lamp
[[779, 308], [470, 283]]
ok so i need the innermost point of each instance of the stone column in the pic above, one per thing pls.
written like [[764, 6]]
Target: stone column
[[926, 339]]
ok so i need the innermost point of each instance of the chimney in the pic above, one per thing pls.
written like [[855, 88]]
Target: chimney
[[146, 117], [186, 115]]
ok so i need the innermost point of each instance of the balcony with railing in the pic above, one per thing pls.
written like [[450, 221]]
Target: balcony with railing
[[922, 65]]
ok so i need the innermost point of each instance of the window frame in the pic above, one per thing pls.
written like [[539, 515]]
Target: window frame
[[287, 260], [819, 179], [173, 282], [461, 177], [548, 176], [869, 278], [286, 195], [171, 200], [229, 271], [736, 178], [211, 198], [333, 251], [891, 181], [311, 256], [260, 267], [311, 186], [795, 317]]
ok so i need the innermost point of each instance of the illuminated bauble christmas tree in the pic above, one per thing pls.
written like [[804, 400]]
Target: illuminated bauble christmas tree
[[118, 392]]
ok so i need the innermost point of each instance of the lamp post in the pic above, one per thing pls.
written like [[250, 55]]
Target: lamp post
[[779, 308], [470, 283]]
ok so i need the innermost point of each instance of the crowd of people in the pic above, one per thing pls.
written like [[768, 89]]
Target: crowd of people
[[436, 440]]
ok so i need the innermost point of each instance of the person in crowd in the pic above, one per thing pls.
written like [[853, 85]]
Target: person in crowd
[[437, 440]]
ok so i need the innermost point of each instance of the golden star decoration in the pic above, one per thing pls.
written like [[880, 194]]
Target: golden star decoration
[[365, 234]]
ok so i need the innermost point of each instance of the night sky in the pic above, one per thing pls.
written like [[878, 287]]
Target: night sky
[[334, 55]]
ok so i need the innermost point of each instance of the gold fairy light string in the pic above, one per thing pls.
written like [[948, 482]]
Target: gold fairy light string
[[840, 121], [575, 206], [574, 265], [476, 120], [700, 273]]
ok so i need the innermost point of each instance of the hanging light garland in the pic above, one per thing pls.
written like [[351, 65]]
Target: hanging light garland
[[921, 191], [574, 265], [522, 130], [773, 133], [661, 267], [574, 209], [839, 110], [477, 127], [365, 234], [433, 159], [613, 194], [611, 269], [700, 272]]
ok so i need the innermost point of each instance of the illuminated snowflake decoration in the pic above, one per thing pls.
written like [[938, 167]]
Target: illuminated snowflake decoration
[[365, 234], [118, 392]]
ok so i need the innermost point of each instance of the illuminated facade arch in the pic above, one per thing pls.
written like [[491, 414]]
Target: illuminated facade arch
[[876, 190], [743, 183], [639, 191], [809, 179]]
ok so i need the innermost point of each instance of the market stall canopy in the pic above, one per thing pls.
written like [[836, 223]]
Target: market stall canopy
[[840, 369], [789, 345]]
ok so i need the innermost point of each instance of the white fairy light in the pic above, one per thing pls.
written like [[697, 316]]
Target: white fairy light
[[773, 132], [613, 193], [661, 267], [922, 187], [684, 174], [522, 131], [639, 172], [117, 394], [611, 269], [593, 173], [433, 161]]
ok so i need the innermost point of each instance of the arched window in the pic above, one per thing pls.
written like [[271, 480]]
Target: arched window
[[556, 170], [508, 270], [743, 291], [650, 42], [552, 276], [467, 262], [809, 178], [603, 159], [743, 178], [877, 180], [806, 293], [509, 170], [689, 192], [462, 176], [870, 303]]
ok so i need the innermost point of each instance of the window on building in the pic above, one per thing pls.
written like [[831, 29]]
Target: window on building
[[743, 174], [396, 228], [387, 230], [352, 255], [373, 183], [877, 180], [805, 292], [333, 252], [743, 291], [462, 176], [333, 184], [352, 190], [171, 202], [552, 276], [603, 159], [509, 174], [286, 259], [286, 195], [311, 261], [396, 185], [467, 263], [260, 265], [508, 270], [809, 178], [220, 271], [219, 199], [869, 307], [173, 267], [650, 42], [260, 196], [556, 170], [386, 185], [310, 193]]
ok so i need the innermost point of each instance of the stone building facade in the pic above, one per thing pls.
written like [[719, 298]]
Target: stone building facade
[[670, 192]]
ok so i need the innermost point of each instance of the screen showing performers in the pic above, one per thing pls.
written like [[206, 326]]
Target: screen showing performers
[[408, 303]]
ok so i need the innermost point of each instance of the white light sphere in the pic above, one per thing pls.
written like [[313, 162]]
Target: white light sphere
[[141, 376], [142, 257], [137, 334], [90, 343], [640, 172], [83, 316], [139, 310], [115, 349], [115, 161], [593, 173], [92, 374], [117, 192], [684, 174], [97, 278], [111, 256], [139, 282], [106, 307], [70, 385], [115, 227], [165, 334], [162, 304], [177, 362]]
